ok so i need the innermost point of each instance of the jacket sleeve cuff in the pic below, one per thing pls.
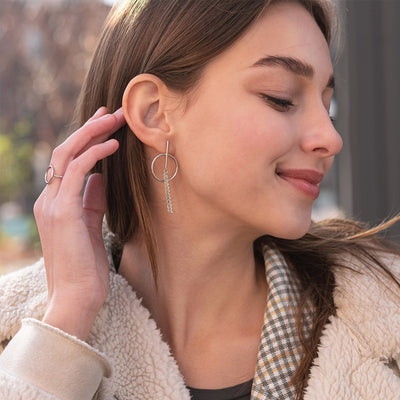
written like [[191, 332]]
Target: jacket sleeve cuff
[[54, 361]]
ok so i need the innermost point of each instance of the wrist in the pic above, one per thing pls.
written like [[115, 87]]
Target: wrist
[[76, 321]]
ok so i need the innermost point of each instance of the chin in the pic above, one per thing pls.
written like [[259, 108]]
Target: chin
[[294, 230], [295, 236]]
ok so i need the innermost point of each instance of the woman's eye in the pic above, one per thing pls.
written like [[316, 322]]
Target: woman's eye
[[277, 103]]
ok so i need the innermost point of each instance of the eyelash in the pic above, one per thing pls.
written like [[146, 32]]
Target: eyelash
[[280, 104], [284, 105]]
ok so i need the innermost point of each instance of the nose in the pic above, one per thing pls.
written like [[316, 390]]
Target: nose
[[320, 136]]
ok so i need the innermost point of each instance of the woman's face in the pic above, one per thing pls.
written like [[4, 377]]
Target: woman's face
[[256, 138]]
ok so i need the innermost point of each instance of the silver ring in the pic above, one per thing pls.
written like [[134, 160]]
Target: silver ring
[[50, 174]]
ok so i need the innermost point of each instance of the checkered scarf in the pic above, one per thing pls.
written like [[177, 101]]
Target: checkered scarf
[[280, 350]]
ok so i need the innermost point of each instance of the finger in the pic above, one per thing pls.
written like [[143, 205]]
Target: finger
[[103, 126], [120, 121], [91, 134], [119, 115], [95, 131], [74, 176], [94, 207], [94, 202], [99, 113]]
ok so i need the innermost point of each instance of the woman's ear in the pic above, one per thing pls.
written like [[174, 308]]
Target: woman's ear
[[144, 104]]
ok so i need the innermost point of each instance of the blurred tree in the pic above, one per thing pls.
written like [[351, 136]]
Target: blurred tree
[[16, 151], [45, 49]]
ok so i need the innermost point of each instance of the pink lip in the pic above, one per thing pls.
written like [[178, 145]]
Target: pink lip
[[305, 180]]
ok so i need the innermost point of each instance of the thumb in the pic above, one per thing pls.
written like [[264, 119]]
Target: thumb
[[94, 202]]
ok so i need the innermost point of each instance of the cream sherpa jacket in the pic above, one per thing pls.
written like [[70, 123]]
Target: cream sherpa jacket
[[358, 356]]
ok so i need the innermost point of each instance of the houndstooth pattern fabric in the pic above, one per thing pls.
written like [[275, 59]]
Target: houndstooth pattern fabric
[[280, 351]]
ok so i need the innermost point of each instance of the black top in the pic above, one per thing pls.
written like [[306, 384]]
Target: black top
[[238, 392]]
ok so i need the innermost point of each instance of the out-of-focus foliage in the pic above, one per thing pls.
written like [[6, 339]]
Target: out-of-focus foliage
[[16, 152], [45, 50]]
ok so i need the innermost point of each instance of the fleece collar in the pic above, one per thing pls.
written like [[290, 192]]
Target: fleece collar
[[357, 347]]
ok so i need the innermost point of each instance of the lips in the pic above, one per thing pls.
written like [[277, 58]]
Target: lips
[[305, 180]]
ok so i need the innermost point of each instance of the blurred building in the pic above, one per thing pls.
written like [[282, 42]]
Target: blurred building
[[368, 98]]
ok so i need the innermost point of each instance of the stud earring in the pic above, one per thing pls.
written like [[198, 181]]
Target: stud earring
[[166, 179]]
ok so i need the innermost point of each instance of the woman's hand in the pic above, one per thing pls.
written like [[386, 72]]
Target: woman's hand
[[70, 226]]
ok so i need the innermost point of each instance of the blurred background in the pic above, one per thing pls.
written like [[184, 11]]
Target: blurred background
[[45, 50]]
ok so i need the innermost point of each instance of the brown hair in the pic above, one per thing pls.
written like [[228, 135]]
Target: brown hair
[[174, 40]]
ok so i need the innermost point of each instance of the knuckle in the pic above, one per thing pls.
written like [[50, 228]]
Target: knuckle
[[58, 151], [57, 215], [37, 208], [75, 167]]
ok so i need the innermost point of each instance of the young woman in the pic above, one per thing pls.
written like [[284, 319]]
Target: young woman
[[207, 281]]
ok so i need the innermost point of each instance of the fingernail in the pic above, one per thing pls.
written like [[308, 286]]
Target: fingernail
[[99, 111]]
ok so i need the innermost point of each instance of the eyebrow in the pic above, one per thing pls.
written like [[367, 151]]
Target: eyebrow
[[292, 65]]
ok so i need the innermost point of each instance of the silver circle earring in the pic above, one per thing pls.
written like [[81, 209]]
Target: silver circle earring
[[166, 179]]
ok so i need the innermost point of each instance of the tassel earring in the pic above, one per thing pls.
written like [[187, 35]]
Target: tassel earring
[[166, 179]]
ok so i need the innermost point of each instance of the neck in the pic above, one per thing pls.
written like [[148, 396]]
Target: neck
[[204, 280]]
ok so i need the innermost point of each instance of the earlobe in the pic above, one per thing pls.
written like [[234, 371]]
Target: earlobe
[[145, 110]]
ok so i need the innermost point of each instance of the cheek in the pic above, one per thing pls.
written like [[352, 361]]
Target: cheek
[[237, 157], [261, 135], [225, 139]]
